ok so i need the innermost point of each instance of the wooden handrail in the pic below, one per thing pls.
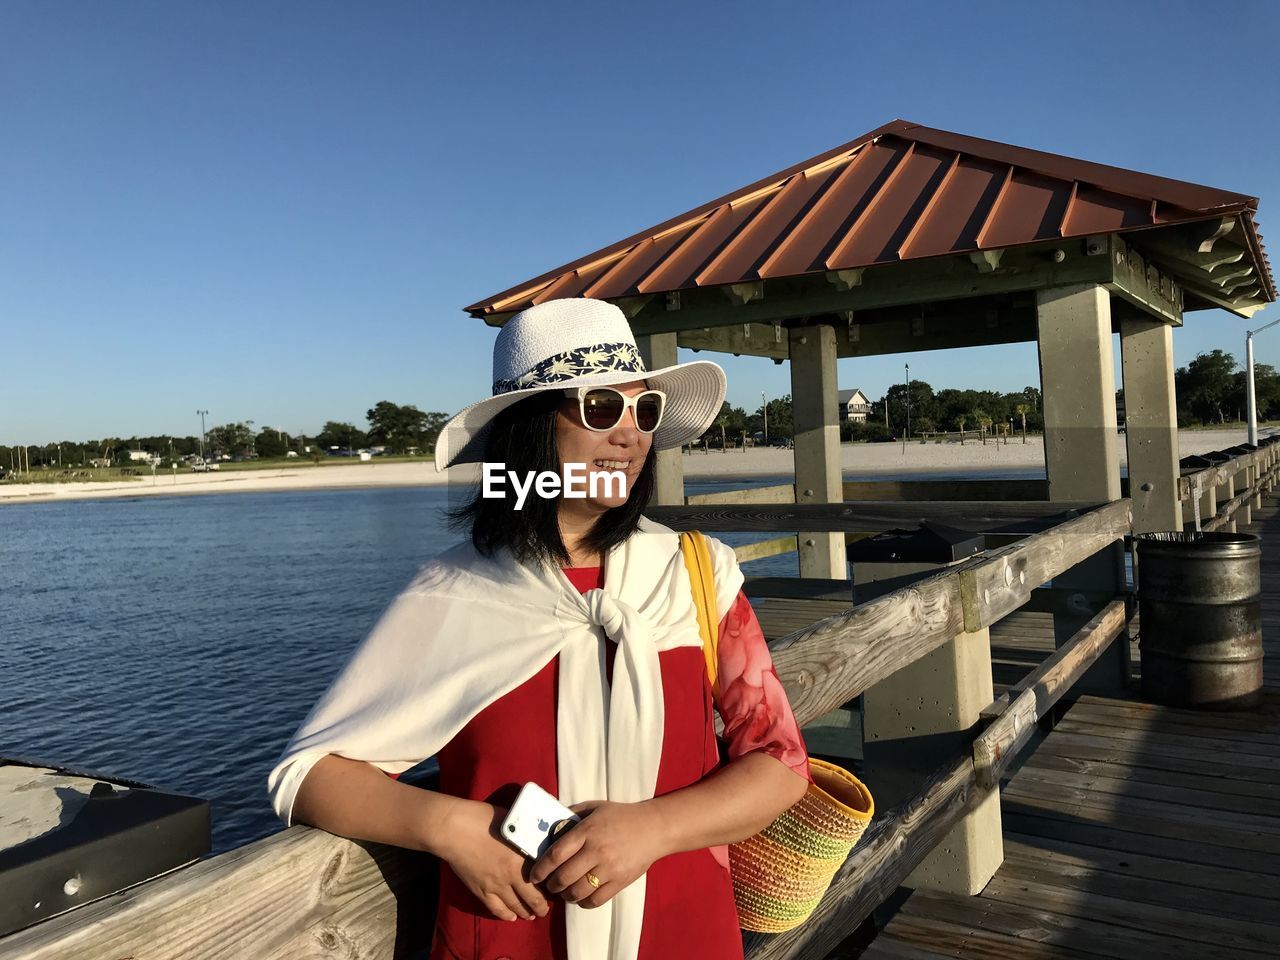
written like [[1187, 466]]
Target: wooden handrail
[[832, 661], [1217, 475], [761, 549], [1024, 704], [899, 840], [1228, 509], [857, 517], [300, 892], [782, 493]]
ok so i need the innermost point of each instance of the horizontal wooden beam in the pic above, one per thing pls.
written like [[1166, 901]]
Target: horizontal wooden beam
[[887, 285], [748, 339], [856, 517], [780, 493], [766, 548], [1190, 483], [1143, 285], [891, 491], [868, 338], [1033, 697], [1229, 509], [290, 894], [797, 588], [937, 491], [832, 661], [934, 332]]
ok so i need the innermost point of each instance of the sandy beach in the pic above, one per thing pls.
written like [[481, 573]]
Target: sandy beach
[[860, 461]]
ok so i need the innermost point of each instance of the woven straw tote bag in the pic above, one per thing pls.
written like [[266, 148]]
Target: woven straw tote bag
[[781, 873]]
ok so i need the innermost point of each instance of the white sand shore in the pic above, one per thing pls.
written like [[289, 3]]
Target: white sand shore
[[860, 461]]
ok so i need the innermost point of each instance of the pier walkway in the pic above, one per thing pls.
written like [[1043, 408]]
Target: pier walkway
[[1132, 831]]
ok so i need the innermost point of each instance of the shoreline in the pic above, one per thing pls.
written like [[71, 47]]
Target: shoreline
[[861, 461]]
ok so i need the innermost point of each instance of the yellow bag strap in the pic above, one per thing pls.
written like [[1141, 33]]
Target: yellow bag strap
[[697, 558]]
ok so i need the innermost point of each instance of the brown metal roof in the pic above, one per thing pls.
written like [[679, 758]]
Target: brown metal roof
[[901, 192]]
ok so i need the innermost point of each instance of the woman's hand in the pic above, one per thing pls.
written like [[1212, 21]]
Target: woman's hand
[[615, 842], [488, 867]]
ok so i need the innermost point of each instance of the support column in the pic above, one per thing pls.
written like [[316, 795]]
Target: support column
[[1077, 380], [817, 444], [1151, 424], [658, 350], [916, 719]]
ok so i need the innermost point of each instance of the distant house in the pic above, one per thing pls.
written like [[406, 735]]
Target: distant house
[[142, 456], [854, 405]]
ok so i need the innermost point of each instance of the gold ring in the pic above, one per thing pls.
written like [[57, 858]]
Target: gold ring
[[594, 880]]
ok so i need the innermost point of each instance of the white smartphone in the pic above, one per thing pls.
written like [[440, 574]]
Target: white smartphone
[[536, 820]]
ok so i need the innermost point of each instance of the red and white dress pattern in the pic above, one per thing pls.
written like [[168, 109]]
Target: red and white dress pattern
[[689, 910]]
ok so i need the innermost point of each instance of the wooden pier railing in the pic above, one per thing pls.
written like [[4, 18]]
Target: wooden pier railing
[[303, 893]]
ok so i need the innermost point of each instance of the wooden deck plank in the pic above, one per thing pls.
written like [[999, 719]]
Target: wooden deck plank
[[1222, 783], [1265, 719], [1203, 923], [1251, 753], [1025, 926], [1157, 838], [1083, 885], [1118, 751], [1264, 771], [973, 941], [1233, 830], [1067, 858], [1264, 808], [1161, 725]]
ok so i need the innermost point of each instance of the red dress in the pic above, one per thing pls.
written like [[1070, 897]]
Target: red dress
[[689, 910]]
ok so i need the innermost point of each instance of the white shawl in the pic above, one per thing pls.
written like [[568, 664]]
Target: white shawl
[[469, 630]]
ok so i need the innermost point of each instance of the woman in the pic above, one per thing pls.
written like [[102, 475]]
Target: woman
[[560, 645]]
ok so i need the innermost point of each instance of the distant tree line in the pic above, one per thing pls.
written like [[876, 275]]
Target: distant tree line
[[399, 429], [930, 411], [1212, 387]]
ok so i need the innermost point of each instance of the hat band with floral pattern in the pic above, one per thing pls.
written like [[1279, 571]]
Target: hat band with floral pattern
[[582, 362]]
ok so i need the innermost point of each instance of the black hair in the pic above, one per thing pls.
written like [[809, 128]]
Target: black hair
[[523, 436]]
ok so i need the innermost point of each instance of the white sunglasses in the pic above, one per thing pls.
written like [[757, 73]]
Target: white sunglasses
[[602, 408]]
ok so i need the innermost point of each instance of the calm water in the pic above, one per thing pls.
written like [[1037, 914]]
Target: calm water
[[179, 641]]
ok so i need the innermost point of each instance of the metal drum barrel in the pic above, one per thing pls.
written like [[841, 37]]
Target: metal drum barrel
[[1200, 609]]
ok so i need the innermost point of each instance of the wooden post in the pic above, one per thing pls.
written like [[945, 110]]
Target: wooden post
[[1151, 424], [1078, 383], [1240, 484], [1208, 502], [817, 444], [658, 350], [1229, 493], [918, 718]]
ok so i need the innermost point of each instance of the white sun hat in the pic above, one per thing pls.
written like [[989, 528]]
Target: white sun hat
[[578, 342]]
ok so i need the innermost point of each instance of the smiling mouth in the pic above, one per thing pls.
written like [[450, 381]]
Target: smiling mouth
[[613, 464]]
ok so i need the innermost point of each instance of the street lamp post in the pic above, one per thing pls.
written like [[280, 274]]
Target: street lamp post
[[202, 413], [764, 409], [906, 433], [1250, 396]]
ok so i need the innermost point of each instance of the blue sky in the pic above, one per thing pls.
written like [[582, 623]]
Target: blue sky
[[277, 211]]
